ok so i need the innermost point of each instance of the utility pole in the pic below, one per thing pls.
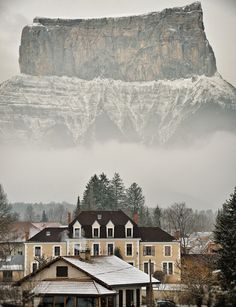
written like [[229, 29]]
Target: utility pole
[[150, 293]]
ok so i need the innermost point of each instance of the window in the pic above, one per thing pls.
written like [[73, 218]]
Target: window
[[62, 271], [95, 232], [77, 232], [149, 251], [129, 249], [110, 248], [37, 251], [131, 263], [7, 275], [76, 249], [110, 232], [57, 250], [168, 268], [34, 266], [146, 267], [129, 232], [167, 250], [95, 249]]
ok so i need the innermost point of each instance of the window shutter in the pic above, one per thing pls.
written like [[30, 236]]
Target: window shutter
[[153, 250], [144, 251]]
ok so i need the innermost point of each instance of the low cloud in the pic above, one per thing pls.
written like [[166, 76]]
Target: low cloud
[[202, 175]]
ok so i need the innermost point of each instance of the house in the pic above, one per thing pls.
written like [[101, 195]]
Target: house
[[19, 232], [108, 233], [11, 268], [85, 281]]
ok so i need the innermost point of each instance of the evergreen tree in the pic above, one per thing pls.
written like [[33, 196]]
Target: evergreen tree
[[225, 236], [30, 214], [157, 216], [44, 217], [135, 199], [98, 194], [118, 192], [78, 208]]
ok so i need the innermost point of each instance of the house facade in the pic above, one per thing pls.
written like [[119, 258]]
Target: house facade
[[108, 233]]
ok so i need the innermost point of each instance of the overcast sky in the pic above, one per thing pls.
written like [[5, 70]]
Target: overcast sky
[[219, 20], [203, 175]]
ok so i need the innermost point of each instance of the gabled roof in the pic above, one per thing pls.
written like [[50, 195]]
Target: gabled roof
[[112, 271], [51, 234], [118, 218], [108, 271], [155, 234]]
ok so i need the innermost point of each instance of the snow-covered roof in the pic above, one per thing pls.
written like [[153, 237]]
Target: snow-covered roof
[[112, 270], [71, 287]]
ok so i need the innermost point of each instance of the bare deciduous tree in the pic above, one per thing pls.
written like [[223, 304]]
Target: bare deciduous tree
[[181, 218]]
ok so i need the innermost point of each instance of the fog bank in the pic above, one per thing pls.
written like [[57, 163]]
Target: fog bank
[[202, 175]]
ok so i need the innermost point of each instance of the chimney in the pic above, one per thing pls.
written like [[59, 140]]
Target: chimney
[[135, 217], [176, 234], [69, 217], [85, 254]]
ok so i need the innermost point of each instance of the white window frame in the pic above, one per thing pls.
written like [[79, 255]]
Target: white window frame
[[152, 262], [74, 248], [168, 262], [32, 263], [96, 225], [110, 225], [126, 249], [164, 250], [108, 243], [99, 253], [127, 226], [77, 225], [53, 250], [41, 250], [152, 249]]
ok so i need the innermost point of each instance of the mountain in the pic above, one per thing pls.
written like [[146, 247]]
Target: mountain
[[149, 79]]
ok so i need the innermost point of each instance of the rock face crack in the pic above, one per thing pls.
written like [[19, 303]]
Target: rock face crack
[[167, 45]]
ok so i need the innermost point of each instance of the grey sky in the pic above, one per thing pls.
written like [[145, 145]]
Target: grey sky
[[219, 20], [203, 175]]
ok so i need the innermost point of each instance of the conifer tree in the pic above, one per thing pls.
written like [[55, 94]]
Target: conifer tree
[[118, 192], [225, 236], [44, 217], [157, 216], [78, 207], [135, 199]]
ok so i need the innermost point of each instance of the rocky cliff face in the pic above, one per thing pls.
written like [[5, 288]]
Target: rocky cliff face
[[168, 45]]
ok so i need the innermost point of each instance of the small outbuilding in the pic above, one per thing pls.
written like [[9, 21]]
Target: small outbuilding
[[100, 281]]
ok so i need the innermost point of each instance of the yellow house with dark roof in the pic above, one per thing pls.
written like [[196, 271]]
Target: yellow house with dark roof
[[107, 233]]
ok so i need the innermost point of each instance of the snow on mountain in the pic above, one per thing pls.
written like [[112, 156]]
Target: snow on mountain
[[64, 111]]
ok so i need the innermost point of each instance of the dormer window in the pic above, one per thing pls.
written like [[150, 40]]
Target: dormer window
[[110, 232], [110, 229], [76, 230], [129, 230], [96, 230]]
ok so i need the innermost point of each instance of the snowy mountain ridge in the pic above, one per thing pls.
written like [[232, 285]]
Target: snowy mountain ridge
[[68, 111]]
